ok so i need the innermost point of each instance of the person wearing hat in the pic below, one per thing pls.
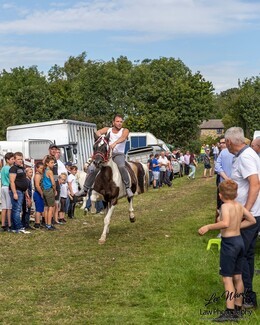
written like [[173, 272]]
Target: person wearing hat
[[52, 152], [207, 165], [53, 146]]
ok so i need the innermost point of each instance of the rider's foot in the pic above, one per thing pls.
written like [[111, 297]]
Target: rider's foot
[[82, 192], [129, 193]]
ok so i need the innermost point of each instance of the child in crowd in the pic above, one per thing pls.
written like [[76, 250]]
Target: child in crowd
[[233, 217], [57, 202], [49, 192], [68, 166], [6, 200], [73, 188], [27, 202], [207, 165], [38, 195], [62, 179]]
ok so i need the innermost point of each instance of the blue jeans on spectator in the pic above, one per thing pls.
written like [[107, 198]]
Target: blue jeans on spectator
[[193, 170], [150, 177], [67, 205], [16, 210], [249, 236], [26, 214]]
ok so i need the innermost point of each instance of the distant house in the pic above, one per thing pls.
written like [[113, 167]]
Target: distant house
[[212, 128]]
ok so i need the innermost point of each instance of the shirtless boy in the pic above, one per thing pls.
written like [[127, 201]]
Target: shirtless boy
[[233, 217]]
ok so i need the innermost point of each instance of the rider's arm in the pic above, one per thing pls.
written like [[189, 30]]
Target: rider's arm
[[102, 131], [123, 137]]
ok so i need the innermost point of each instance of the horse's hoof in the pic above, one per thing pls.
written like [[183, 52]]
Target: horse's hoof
[[132, 219], [93, 210], [101, 241]]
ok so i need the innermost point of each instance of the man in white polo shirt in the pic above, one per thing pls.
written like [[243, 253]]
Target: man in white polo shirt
[[164, 165], [246, 173]]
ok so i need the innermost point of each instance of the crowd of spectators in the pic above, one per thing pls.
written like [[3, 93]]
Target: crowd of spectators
[[165, 166], [52, 187]]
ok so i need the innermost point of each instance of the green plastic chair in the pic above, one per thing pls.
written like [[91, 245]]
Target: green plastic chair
[[214, 241]]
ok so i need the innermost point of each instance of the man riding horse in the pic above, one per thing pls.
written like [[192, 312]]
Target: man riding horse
[[117, 141]]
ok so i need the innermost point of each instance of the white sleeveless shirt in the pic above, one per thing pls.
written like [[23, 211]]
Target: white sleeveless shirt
[[120, 147]]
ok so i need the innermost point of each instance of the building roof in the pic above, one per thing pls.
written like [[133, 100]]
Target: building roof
[[212, 124]]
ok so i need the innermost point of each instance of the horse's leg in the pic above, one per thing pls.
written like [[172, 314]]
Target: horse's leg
[[84, 203], [93, 199], [93, 209], [107, 219], [131, 210]]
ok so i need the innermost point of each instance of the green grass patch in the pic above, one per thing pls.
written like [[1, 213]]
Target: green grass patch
[[155, 271]]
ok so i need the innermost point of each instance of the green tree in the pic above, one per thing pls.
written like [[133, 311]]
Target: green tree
[[24, 96], [240, 106], [168, 100], [102, 90], [248, 104]]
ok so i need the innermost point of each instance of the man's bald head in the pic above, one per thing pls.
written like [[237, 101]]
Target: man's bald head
[[256, 145]]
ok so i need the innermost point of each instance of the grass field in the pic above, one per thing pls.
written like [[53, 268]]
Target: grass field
[[155, 271]]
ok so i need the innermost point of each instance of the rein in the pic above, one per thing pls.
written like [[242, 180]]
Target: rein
[[105, 157]]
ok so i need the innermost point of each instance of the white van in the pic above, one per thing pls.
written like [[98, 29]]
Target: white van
[[256, 134]]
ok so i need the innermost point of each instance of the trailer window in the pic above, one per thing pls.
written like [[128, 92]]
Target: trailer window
[[62, 155], [138, 141]]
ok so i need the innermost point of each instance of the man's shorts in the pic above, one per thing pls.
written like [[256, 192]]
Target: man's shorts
[[231, 256], [207, 166], [39, 202], [5, 197], [156, 175], [49, 197]]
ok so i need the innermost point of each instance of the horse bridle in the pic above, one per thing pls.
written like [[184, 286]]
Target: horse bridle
[[105, 157]]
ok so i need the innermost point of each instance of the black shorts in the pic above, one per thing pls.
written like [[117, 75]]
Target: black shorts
[[57, 197], [207, 166], [63, 204], [231, 256]]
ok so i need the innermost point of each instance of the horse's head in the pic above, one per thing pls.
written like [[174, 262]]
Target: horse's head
[[101, 150]]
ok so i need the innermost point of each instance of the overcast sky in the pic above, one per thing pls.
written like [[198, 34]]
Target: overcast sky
[[219, 38]]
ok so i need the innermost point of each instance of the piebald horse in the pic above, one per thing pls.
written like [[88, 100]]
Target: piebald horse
[[108, 182]]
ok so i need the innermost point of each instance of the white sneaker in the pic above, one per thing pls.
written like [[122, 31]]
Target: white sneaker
[[23, 231]]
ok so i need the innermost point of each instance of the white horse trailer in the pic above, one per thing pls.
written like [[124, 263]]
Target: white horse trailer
[[32, 150], [143, 139], [142, 154], [74, 138]]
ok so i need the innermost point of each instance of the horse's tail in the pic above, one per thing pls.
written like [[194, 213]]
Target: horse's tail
[[142, 176], [146, 177]]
